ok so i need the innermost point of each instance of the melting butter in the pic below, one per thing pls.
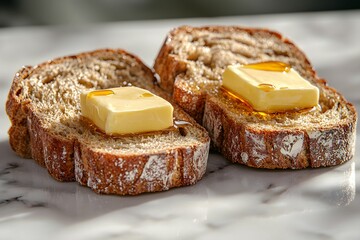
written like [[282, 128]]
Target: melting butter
[[270, 87], [126, 110]]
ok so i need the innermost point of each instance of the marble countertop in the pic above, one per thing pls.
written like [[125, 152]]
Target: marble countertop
[[232, 201]]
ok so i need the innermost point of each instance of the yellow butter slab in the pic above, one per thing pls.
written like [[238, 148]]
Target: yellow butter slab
[[270, 90], [126, 110]]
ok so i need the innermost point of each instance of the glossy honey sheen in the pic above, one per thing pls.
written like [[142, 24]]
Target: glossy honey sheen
[[274, 66], [267, 87], [264, 115], [105, 92]]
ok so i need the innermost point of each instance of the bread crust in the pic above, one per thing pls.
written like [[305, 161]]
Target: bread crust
[[71, 158], [287, 148], [132, 174]]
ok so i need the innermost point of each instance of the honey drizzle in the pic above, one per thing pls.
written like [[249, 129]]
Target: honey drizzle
[[100, 93], [246, 104], [146, 95], [266, 87], [274, 66], [265, 115]]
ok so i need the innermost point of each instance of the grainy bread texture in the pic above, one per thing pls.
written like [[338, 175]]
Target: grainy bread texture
[[44, 108], [190, 65]]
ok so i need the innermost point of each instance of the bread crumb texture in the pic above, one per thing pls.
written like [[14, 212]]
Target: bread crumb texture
[[54, 91]]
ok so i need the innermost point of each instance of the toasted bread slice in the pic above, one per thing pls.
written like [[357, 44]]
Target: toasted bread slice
[[44, 108], [190, 65]]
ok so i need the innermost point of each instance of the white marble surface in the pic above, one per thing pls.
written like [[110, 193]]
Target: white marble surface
[[232, 201]]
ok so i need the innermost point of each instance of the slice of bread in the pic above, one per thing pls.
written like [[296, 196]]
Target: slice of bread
[[190, 65], [44, 108]]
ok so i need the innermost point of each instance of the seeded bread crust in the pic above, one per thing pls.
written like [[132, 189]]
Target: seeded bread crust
[[70, 151], [190, 64]]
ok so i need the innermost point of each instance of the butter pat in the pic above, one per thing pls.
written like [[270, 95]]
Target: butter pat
[[126, 110], [270, 87]]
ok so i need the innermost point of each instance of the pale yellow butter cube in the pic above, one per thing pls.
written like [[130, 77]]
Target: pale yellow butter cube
[[270, 91], [126, 110]]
